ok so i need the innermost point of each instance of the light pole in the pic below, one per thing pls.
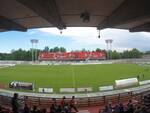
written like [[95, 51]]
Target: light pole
[[34, 43], [109, 47]]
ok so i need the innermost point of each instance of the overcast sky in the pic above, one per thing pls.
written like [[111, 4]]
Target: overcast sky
[[75, 39]]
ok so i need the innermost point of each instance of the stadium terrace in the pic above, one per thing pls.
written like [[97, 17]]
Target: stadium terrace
[[71, 56]]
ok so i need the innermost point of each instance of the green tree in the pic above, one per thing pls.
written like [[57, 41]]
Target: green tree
[[115, 55], [62, 49], [135, 53], [98, 50], [46, 49], [56, 49]]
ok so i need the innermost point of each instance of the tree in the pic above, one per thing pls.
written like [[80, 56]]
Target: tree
[[62, 49], [147, 52], [27, 55], [83, 50], [46, 49], [136, 53], [56, 49], [98, 50], [115, 55]]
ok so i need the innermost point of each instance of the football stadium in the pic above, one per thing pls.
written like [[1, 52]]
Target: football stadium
[[106, 74]]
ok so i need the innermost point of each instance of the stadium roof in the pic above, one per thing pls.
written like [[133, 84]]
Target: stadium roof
[[21, 15]]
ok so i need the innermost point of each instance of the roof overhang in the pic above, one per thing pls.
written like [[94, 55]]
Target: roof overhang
[[21, 15]]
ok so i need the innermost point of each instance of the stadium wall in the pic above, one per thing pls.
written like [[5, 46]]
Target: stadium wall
[[86, 99], [137, 61]]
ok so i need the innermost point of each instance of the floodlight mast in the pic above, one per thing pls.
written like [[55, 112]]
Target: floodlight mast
[[34, 43], [109, 47], [36, 55]]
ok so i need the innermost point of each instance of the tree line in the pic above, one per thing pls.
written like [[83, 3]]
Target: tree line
[[26, 55]]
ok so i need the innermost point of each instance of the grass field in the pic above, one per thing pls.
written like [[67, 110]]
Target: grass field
[[72, 75]]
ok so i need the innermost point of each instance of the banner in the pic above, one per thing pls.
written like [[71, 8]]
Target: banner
[[126, 82], [21, 85]]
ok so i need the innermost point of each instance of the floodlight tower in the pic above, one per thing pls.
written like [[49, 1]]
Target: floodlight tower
[[34, 43], [109, 46]]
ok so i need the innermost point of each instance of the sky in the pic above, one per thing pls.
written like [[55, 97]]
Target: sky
[[74, 38]]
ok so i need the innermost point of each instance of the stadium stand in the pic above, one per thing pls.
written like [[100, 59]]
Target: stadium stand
[[128, 102], [137, 96], [64, 56]]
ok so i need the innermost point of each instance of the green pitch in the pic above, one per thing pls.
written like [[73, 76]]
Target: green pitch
[[72, 75]]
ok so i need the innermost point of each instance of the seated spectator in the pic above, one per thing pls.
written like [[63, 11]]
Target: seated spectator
[[67, 108], [121, 108], [105, 110], [55, 107], [130, 108], [59, 109], [43, 111], [110, 108], [137, 110], [52, 109], [143, 110], [26, 109], [116, 109], [1, 111], [34, 110]]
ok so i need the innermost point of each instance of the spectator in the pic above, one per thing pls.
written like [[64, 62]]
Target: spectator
[[26, 109], [34, 110], [137, 110], [59, 109], [143, 76], [43, 111], [121, 108], [63, 102], [105, 110], [67, 108], [130, 108], [52, 109], [1, 111], [73, 104], [138, 77], [110, 108], [143, 110], [116, 109], [15, 104]]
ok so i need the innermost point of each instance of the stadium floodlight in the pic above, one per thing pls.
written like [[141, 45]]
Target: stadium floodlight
[[34, 42], [109, 46]]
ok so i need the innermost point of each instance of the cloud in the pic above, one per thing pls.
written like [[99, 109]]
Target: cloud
[[88, 37], [32, 32]]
